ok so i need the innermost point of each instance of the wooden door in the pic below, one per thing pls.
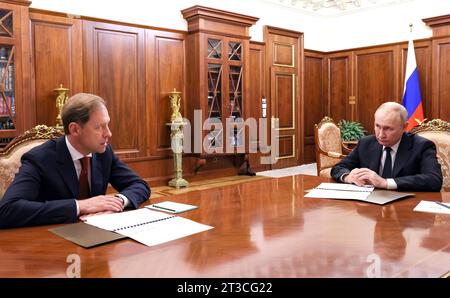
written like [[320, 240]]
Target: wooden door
[[284, 57]]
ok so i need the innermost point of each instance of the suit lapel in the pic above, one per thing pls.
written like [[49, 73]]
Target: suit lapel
[[96, 179], [65, 166], [402, 155]]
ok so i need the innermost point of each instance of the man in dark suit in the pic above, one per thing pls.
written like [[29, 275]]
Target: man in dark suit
[[392, 158], [67, 178]]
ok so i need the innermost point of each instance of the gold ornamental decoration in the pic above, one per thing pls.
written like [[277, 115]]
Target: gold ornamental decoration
[[60, 101], [176, 139]]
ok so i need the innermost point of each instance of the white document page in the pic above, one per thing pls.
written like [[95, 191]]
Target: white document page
[[164, 230], [340, 191], [147, 226], [345, 186], [116, 221], [432, 207], [337, 194]]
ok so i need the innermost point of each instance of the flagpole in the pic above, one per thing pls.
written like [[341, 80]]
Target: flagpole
[[412, 100]]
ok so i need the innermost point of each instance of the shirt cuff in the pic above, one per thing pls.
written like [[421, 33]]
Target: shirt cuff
[[343, 176], [391, 184], [78, 208], [126, 202]]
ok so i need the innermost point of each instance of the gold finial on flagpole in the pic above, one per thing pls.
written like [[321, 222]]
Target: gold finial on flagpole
[[410, 27]]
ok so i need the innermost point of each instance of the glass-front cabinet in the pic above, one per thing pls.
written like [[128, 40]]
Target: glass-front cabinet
[[225, 93], [217, 59], [15, 69], [7, 75]]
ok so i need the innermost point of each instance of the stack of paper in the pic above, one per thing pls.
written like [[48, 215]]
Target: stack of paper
[[433, 207], [340, 191], [147, 226], [368, 194]]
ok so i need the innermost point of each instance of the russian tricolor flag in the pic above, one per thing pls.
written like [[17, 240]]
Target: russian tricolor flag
[[411, 92]]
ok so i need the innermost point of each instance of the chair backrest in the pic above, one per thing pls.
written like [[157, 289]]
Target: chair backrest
[[10, 155], [328, 146], [438, 131]]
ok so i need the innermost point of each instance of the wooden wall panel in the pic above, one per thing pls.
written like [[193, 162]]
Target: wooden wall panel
[[283, 54], [115, 70], [257, 92], [441, 78], [57, 59], [376, 74], [339, 87], [315, 100], [165, 72], [283, 100], [287, 147]]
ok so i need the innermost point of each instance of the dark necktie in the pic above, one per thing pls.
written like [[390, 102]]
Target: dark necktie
[[387, 169], [84, 178]]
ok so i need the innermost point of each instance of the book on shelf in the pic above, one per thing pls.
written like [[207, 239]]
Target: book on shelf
[[4, 103]]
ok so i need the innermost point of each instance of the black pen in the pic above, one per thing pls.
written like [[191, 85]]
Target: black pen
[[442, 204], [171, 210]]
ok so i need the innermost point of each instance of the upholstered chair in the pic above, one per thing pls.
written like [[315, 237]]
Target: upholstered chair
[[329, 147], [10, 155], [438, 131]]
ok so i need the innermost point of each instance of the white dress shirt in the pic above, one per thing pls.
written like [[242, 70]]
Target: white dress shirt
[[76, 158]]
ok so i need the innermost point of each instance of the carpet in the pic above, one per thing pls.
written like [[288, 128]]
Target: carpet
[[308, 169]]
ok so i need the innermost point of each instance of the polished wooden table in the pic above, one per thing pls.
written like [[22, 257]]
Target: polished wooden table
[[262, 228]]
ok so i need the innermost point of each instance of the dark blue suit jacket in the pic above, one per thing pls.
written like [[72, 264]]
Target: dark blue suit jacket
[[415, 168], [46, 186]]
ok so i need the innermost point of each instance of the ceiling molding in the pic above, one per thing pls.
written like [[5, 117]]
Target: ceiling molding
[[334, 8]]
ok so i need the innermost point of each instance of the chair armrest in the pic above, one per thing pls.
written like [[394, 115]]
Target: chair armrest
[[332, 154], [335, 155]]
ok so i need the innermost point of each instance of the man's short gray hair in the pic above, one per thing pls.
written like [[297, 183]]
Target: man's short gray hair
[[394, 106]]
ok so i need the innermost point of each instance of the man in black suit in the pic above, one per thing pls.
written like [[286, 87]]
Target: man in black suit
[[392, 158], [67, 178]]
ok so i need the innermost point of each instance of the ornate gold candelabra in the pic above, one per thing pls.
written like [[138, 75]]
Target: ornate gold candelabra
[[60, 101], [176, 137]]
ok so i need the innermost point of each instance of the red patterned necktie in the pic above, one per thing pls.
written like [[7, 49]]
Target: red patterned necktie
[[84, 176]]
